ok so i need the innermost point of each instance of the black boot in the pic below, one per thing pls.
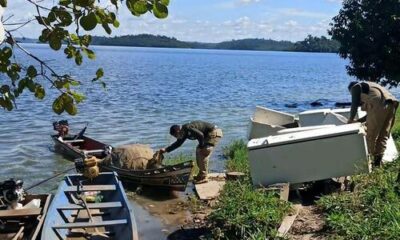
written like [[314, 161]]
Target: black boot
[[377, 161]]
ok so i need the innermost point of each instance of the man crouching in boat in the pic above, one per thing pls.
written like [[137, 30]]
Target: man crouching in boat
[[208, 136]]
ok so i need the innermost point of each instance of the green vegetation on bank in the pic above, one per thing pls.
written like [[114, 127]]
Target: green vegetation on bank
[[244, 212], [310, 44], [316, 44], [372, 210], [142, 40], [256, 44]]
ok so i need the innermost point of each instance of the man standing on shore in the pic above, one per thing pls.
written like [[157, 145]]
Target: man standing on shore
[[381, 107], [208, 136]]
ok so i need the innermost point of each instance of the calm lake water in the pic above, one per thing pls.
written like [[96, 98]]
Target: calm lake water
[[149, 89]]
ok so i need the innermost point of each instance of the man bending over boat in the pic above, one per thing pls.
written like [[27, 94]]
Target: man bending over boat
[[381, 107], [208, 136]]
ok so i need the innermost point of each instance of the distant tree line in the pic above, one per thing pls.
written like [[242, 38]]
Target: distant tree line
[[142, 40], [317, 44], [310, 44], [256, 44]]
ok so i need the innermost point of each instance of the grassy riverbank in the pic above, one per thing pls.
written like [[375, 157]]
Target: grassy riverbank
[[244, 212], [372, 210]]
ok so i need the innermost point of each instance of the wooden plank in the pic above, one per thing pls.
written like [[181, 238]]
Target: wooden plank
[[235, 175], [288, 221], [83, 216], [90, 188], [20, 212], [80, 234], [74, 141], [94, 214], [19, 234], [209, 190], [90, 206], [282, 188], [216, 175], [91, 224], [94, 151], [42, 217]]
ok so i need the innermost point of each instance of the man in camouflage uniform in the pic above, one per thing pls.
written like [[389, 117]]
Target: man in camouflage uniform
[[208, 136], [381, 107]]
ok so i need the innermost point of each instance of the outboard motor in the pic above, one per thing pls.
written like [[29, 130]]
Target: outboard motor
[[11, 191], [62, 127], [87, 166]]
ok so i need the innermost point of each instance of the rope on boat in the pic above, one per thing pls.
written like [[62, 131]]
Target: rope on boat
[[48, 179]]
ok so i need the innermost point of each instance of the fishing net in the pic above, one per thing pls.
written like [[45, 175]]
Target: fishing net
[[134, 156]]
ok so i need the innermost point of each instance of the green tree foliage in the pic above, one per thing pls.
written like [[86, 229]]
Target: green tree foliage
[[141, 40], [310, 44], [369, 34], [66, 26], [256, 44], [317, 44]]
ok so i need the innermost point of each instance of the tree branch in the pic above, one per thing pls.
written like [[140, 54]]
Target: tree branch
[[21, 25], [39, 6], [42, 63]]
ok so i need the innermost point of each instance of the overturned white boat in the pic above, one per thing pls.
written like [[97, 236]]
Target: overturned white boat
[[314, 145]]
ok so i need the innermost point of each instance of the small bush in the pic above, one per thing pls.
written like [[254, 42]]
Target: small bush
[[236, 154], [244, 212], [372, 211]]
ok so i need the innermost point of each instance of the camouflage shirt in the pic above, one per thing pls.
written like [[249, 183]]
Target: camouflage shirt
[[195, 130]]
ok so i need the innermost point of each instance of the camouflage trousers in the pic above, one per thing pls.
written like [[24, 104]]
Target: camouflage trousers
[[203, 153], [379, 123]]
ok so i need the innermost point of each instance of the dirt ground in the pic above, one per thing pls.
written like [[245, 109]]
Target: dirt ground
[[309, 224]]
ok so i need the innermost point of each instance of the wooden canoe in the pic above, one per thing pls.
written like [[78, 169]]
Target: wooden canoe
[[173, 177], [24, 223], [107, 215]]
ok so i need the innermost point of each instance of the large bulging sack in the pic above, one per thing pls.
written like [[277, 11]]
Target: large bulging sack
[[132, 156]]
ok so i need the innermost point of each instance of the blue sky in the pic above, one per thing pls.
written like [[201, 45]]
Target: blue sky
[[216, 20]]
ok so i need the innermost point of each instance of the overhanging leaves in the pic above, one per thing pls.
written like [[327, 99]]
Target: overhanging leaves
[[58, 105], [89, 21], [160, 10], [59, 31], [40, 92], [31, 71], [3, 3]]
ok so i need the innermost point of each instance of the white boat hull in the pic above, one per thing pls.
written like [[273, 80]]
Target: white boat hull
[[308, 156]]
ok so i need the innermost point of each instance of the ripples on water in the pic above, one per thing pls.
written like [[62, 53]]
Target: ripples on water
[[150, 89]]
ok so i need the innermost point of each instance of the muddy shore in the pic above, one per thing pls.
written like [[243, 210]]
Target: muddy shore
[[162, 214]]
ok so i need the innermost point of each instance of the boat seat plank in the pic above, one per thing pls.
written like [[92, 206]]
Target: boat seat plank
[[83, 235], [90, 224], [75, 214], [74, 217], [20, 212], [93, 151], [19, 234], [89, 188], [91, 206], [74, 141]]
